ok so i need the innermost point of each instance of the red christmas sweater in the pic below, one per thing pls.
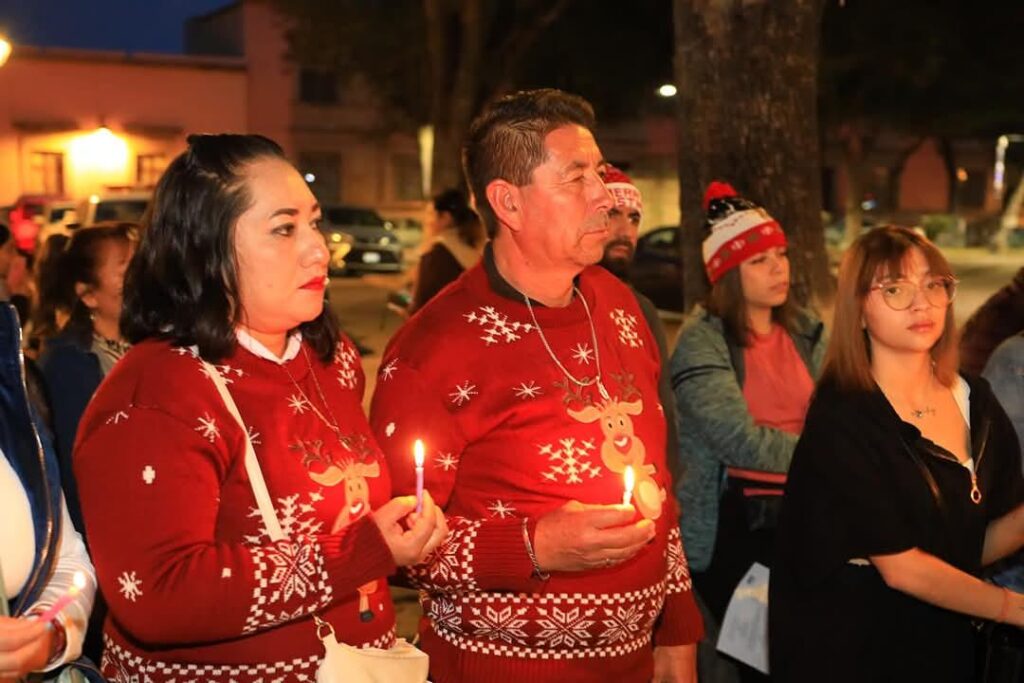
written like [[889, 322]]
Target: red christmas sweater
[[197, 590], [508, 437]]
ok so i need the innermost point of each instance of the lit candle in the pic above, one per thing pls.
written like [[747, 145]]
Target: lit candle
[[629, 478], [417, 454], [77, 584]]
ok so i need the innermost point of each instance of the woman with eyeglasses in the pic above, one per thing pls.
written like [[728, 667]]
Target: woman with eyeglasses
[[905, 483]]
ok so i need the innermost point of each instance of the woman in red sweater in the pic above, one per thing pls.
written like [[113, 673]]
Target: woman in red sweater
[[231, 270]]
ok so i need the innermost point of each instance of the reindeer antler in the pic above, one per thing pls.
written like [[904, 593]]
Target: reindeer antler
[[625, 382], [573, 393]]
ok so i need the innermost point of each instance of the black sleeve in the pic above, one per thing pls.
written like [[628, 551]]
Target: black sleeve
[[437, 269], [841, 501]]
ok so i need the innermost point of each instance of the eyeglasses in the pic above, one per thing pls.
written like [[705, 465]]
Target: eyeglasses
[[900, 294]]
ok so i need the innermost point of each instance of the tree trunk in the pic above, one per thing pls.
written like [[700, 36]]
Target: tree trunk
[[455, 59], [952, 182], [853, 164], [747, 72]]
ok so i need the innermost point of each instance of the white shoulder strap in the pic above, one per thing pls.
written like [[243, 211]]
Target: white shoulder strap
[[252, 466]]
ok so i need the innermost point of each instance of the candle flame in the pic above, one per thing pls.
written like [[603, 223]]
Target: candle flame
[[629, 476], [417, 453]]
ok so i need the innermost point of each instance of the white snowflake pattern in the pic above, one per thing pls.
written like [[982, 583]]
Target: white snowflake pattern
[[148, 474], [446, 461], [293, 568], [463, 393], [496, 325], [208, 428], [131, 586], [501, 509], [228, 373], [445, 615], [503, 624], [568, 462], [186, 351], [347, 358], [389, 369], [622, 624], [626, 322], [565, 628], [298, 404], [254, 436], [445, 562], [583, 353], [117, 418], [297, 518], [525, 391], [389, 431]]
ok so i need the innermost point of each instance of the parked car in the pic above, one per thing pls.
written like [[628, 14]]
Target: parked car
[[59, 216], [374, 247], [22, 219], [114, 205], [657, 269]]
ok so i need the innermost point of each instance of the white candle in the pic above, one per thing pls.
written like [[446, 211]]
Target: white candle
[[629, 478], [417, 454], [77, 584]]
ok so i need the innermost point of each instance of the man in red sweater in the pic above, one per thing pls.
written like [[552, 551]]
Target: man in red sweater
[[533, 382]]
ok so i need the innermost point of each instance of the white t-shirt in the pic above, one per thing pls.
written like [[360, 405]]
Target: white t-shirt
[[17, 535]]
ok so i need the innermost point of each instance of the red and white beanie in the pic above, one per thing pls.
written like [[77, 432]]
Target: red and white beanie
[[738, 229], [624, 192]]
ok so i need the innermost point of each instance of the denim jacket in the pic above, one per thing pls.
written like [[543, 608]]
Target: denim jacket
[[31, 454]]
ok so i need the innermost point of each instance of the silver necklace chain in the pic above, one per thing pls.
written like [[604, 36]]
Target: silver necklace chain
[[332, 424], [596, 379]]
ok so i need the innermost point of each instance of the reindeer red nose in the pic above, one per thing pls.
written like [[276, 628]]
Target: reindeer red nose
[[623, 443]]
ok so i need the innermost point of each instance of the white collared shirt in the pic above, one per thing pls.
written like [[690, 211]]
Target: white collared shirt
[[254, 346]]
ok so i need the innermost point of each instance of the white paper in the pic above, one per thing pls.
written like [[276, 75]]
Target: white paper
[[744, 632]]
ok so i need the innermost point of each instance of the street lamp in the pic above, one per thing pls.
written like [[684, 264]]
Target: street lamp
[[5, 49], [667, 90]]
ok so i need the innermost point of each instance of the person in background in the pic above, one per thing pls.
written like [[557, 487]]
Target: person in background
[[8, 253], [1000, 317], [906, 482], [228, 283], [1005, 373], [40, 550], [743, 372], [90, 283], [624, 227], [455, 245]]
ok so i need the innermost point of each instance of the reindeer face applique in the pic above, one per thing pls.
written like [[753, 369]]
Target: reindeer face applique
[[621, 447], [328, 471]]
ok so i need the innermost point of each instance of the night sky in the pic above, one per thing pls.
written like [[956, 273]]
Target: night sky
[[124, 25]]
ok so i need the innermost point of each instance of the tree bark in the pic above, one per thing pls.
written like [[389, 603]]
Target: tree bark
[[746, 71], [853, 163]]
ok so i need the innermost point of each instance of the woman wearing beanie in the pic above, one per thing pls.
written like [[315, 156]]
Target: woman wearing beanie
[[742, 371]]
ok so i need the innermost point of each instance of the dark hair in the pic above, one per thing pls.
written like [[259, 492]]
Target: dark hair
[[726, 301], [881, 252], [48, 288], [182, 285], [506, 141], [80, 263], [5, 234], [467, 223]]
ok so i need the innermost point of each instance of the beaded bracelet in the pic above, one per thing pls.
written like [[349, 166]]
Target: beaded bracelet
[[537, 571]]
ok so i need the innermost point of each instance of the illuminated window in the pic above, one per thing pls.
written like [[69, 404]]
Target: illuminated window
[[149, 168], [46, 173]]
